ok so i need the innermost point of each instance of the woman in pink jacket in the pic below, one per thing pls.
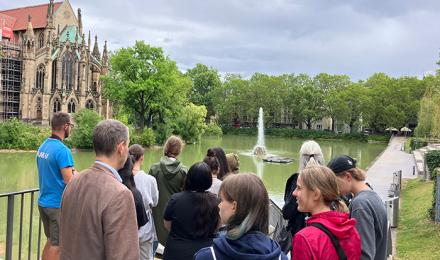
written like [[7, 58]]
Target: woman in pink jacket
[[329, 233]]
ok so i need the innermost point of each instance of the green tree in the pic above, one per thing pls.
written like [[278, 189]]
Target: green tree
[[228, 99], [204, 80], [331, 85], [146, 83], [190, 123], [82, 134]]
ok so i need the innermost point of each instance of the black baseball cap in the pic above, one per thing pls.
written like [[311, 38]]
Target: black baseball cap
[[342, 163]]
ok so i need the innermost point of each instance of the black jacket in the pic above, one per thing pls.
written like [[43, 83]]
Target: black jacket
[[296, 219]]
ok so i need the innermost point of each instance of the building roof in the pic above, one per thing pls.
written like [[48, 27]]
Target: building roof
[[69, 34], [17, 18]]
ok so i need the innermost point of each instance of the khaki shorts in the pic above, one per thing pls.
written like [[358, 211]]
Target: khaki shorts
[[51, 223]]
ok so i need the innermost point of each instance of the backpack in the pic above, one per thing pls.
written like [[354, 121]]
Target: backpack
[[278, 229]]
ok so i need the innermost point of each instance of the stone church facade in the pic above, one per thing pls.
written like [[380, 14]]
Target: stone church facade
[[60, 71]]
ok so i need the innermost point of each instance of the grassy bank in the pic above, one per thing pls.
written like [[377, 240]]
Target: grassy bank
[[417, 235], [307, 134]]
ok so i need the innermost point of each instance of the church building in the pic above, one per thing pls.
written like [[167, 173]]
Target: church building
[[48, 65]]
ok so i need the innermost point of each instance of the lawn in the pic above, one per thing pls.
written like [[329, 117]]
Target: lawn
[[417, 236]]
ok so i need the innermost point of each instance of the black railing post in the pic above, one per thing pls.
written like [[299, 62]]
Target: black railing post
[[9, 227], [30, 225], [21, 227]]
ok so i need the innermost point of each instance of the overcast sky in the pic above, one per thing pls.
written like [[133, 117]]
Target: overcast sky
[[353, 37]]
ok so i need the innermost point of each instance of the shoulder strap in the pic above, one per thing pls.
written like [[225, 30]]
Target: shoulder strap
[[335, 242], [212, 252]]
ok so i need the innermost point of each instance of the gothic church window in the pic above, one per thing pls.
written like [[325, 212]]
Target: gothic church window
[[67, 70], [56, 105], [89, 104], [54, 74], [41, 40], [40, 77], [71, 107]]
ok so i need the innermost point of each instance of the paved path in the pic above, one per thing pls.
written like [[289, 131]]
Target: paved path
[[380, 174]]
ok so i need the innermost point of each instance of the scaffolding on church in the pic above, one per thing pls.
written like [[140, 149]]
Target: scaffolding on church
[[10, 79]]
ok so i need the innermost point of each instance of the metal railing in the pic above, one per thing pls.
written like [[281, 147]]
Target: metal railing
[[11, 198]]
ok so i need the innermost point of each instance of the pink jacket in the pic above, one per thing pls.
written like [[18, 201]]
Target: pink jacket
[[313, 243]]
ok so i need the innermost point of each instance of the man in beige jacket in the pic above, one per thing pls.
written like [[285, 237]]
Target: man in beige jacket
[[98, 216]]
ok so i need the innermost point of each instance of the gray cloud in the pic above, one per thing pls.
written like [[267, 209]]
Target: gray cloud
[[357, 38]]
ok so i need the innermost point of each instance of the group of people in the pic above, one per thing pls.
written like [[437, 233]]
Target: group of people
[[332, 212], [114, 210]]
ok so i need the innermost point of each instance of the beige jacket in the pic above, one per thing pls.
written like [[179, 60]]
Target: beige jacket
[[98, 218]]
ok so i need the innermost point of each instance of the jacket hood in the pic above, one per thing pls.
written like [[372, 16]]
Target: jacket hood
[[170, 167], [253, 245], [336, 222]]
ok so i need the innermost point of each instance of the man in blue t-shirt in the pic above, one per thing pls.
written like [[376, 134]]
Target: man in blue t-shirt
[[55, 169]]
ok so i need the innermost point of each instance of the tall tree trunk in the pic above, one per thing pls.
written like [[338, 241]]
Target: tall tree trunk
[[333, 124]]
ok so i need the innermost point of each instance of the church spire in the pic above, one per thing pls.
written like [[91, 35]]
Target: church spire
[[80, 26], [50, 9], [30, 30], [95, 52], [29, 41], [89, 43], [105, 55]]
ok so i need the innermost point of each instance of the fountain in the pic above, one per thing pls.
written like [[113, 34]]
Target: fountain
[[260, 148]]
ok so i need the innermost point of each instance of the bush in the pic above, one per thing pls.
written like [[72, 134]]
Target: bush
[[416, 143], [82, 134], [433, 162], [213, 129], [15, 134], [147, 137]]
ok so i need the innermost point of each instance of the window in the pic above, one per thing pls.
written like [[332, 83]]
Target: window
[[41, 40], [40, 77], [56, 105], [78, 81], [89, 104], [71, 107], [67, 70], [54, 74], [94, 88]]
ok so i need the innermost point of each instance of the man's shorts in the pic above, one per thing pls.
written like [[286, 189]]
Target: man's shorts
[[51, 223]]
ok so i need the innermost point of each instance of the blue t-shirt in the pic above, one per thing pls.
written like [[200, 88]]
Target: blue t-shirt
[[52, 156]]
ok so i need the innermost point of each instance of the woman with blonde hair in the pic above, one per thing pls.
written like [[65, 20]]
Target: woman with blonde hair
[[329, 233], [366, 207], [244, 209], [310, 153]]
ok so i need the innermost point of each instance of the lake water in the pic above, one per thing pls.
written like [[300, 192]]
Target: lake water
[[18, 170]]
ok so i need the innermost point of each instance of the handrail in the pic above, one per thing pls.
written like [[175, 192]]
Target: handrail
[[18, 192], [10, 222]]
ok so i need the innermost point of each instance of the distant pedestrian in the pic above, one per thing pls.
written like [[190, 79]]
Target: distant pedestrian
[[221, 157], [214, 165], [147, 185], [296, 219], [366, 207], [329, 234], [244, 209], [98, 215], [170, 176], [191, 216], [126, 173], [55, 169]]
